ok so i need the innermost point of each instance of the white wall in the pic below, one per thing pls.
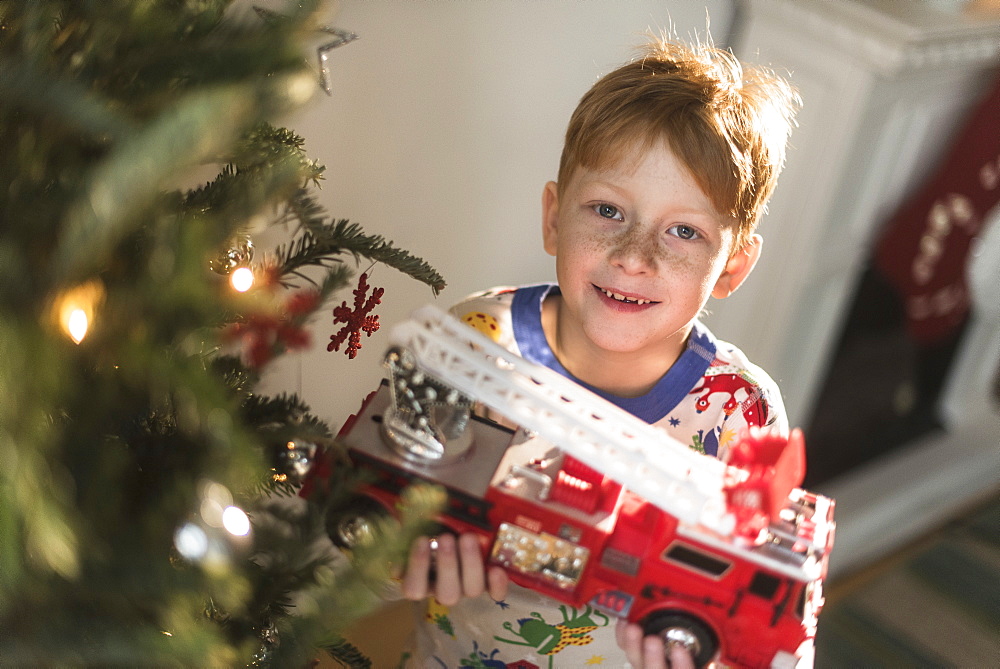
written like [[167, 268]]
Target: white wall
[[445, 121]]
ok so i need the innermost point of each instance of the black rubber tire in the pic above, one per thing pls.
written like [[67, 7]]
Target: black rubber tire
[[706, 645], [346, 524]]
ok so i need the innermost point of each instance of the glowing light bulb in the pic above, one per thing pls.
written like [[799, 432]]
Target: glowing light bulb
[[236, 521], [191, 541], [241, 279], [73, 310], [214, 501], [77, 324]]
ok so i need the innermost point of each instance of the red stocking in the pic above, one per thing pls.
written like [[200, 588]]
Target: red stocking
[[924, 248]]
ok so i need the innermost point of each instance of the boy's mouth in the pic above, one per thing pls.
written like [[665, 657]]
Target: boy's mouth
[[618, 297]]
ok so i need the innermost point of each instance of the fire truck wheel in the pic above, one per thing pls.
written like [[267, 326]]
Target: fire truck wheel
[[354, 523], [689, 632]]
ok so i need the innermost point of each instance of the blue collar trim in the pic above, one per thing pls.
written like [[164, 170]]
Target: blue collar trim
[[669, 391]]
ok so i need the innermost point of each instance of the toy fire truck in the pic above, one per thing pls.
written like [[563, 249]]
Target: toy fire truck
[[583, 502]]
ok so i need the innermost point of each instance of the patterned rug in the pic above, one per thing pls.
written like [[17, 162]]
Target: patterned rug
[[934, 604]]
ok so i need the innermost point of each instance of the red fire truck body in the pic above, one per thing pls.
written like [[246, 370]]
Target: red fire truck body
[[732, 572]]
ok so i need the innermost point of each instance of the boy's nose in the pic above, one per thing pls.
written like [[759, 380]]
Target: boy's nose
[[635, 251]]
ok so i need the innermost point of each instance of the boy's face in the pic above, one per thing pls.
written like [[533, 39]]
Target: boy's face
[[639, 248]]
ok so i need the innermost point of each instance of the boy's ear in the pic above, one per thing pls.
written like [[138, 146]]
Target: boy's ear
[[550, 217], [738, 267]]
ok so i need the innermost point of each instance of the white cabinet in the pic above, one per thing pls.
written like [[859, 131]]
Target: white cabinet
[[883, 84]]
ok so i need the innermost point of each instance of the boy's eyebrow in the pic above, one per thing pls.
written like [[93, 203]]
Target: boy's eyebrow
[[607, 184]]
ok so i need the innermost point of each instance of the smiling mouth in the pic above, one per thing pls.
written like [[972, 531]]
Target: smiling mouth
[[618, 297]]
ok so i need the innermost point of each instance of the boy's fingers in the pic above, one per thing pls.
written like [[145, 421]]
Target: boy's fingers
[[473, 570], [654, 655], [418, 565], [629, 638], [497, 582], [620, 632], [680, 657], [447, 582]]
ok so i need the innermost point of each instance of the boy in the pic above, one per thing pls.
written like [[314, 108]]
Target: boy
[[668, 164]]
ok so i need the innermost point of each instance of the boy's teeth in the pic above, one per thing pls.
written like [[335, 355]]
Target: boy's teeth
[[622, 298]]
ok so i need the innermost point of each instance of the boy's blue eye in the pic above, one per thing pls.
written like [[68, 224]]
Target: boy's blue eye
[[684, 231], [609, 211]]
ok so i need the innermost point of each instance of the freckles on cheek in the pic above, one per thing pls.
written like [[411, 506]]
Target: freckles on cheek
[[692, 270], [594, 242], [674, 258], [677, 263]]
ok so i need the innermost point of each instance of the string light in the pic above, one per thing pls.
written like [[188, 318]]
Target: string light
[[241, 279], [236, 521], [74, 309], [77, 324], [216, 532], [191, 542]]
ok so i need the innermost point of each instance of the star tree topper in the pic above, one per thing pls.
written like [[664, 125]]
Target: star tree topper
[[341, 37]]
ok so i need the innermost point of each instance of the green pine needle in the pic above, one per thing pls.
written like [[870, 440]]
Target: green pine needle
[[321, 243]]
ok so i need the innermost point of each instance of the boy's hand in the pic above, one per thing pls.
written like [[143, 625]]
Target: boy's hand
[[647, 652], [459, 570]]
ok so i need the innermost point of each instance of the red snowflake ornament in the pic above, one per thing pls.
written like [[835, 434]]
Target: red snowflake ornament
[[356, 320]]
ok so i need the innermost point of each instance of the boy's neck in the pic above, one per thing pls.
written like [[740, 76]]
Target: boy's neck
[[625, 374]]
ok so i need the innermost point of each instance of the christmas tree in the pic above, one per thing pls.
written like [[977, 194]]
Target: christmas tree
[[143, 476]]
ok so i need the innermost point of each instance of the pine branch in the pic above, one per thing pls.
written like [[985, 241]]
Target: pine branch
[[267, 165], [195, 46], [283, 416], [237, 194], [348, 655], [321, 243], [266, 143], [236, 376], [346, 236], [355, 583]]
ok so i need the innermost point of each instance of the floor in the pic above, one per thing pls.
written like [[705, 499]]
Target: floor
[[380, 636], [935, 603]]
